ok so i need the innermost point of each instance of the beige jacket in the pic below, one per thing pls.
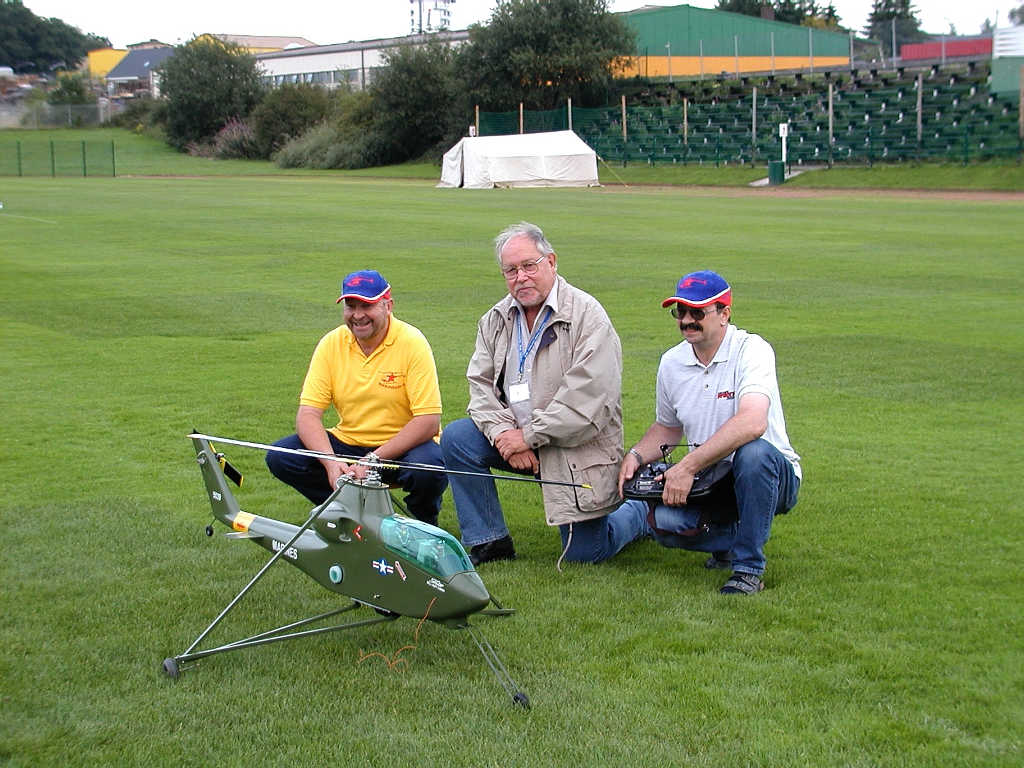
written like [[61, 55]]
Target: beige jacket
[[576, 389]]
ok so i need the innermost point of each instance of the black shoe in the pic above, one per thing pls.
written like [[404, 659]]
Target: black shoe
[[500, 549]]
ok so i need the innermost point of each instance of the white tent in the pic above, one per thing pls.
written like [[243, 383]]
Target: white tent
[[557, 159]]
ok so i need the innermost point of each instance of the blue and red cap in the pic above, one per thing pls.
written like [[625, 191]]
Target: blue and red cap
[[366, 285], [699, 289]]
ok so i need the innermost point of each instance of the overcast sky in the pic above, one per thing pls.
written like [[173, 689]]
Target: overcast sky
[[323, 23]]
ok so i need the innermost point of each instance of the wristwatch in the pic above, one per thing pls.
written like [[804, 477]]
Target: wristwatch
[[636, 453], [372, 457]]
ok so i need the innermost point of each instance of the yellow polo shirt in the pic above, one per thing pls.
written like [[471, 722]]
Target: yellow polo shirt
[[374, 396]]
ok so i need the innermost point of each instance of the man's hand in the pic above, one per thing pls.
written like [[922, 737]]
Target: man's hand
[[524, 460], [511, 442], [678, 481], [630, 464]]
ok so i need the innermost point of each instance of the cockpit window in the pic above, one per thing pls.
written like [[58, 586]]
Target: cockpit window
[[434, 550]]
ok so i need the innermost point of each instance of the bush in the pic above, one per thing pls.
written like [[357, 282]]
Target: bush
[[287, 112], [346, 141], [236, 140], [141, 114]]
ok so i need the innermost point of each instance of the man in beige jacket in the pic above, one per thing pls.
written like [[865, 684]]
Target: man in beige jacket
[[545, 399]]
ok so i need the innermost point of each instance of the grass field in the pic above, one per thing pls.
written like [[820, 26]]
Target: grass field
[[142, 155], [137, 309]]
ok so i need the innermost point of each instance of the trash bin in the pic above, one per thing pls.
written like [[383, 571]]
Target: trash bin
[[776, 173]]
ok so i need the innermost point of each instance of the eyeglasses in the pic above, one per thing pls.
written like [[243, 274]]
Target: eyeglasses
[[529, 268], [679, 312]]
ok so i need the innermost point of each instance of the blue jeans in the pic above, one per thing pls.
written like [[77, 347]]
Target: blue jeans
[[766, 485], [308, 476], [481, 519]]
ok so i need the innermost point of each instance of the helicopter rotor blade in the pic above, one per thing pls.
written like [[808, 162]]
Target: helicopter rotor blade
[[385, 464]]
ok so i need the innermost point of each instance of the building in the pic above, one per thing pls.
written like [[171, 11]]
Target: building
[[349, 63], [135, 74], [683, 41]]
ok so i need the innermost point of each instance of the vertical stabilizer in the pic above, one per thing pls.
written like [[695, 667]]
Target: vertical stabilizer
[[224, 504]]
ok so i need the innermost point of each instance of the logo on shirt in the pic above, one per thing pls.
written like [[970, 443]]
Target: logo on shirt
[[726, 395], [392, 380]]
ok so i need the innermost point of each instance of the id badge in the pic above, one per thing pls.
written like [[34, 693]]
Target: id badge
[[517, 393]]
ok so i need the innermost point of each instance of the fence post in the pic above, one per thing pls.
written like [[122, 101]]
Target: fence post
[[53, 161], [966, 142], [520, 117], [568, 111], [920, 130], [1020, 109], [624, 137], [84, 173], [476, 118], [753, 128], [686, 124], [19, 157], [113, 162], [810, 47], [831, 118]]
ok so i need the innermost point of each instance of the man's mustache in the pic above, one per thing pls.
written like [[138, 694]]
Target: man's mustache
[[690, 327]]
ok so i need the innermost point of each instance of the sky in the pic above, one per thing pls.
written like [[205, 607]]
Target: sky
[[323, 23]]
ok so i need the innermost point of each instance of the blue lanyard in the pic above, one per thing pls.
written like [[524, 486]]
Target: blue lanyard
[[537, 332]]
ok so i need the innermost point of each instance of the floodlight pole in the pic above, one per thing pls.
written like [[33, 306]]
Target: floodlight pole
[[668, 47]]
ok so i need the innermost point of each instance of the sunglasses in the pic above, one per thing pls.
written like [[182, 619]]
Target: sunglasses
[[679, 312]]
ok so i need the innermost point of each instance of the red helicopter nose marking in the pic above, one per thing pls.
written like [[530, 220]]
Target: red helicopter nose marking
[[356, 532]]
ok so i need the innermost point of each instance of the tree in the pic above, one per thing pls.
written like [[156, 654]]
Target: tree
[[417, 101], [881, 22], [206, 83], [31, 44], [288, 111], [805, 12], [1017, 14], [541, 52]]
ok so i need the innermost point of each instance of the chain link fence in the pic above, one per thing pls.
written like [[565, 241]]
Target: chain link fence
[[57, 158]]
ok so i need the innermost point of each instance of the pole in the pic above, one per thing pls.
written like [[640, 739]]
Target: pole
[[810, 47], [19, 156], [686, 125], [1020, 108], [920, 87], [568, 111], [113, 161], [623, 117], [53, 161], [943, 49], [831, 115], [476, 118], [668, 46], [851, 49], [753, 128], [520, 117], [736, 54], [772, 37], [83, 160], [893, 57]]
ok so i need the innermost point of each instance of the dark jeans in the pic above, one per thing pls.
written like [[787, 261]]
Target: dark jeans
[[307, 475]]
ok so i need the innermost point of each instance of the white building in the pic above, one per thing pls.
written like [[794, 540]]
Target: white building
[[352, 63]]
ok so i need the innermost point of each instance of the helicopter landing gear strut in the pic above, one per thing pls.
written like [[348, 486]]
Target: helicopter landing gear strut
[[498, 668]]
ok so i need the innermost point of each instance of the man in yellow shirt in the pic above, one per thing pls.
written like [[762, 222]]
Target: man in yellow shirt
[[379, 374]]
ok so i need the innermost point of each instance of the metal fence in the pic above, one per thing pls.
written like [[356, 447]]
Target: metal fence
[[870, 119], [42, 115], [57, 158]]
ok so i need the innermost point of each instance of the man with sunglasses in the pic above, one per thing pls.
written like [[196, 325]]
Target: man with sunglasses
[[718, 393], [545, 399]]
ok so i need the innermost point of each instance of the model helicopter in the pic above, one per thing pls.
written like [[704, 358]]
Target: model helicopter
[[354, 544]]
